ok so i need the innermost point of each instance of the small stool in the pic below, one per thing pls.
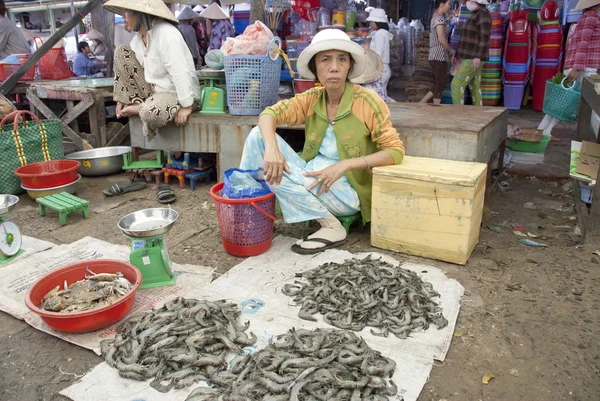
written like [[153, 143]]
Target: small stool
[[63, 203], [188, 162], [180, 174], [146, 173], [198, 175]]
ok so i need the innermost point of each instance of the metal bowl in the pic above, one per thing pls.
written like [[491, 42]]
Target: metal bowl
[[148, 222], [7, 203], [100, 161], [70, 188]]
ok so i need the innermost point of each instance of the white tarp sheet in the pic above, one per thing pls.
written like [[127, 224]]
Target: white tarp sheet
[[256, 285]]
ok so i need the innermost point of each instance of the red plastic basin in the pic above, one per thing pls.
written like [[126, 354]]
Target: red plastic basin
[[302, 85], [50, 174], [93, 319]]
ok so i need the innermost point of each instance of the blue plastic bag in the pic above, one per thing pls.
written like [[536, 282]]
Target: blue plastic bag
[[241, 184]]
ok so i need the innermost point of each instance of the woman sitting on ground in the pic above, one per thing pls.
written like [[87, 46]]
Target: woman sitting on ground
[[155, 76], [348, 131]]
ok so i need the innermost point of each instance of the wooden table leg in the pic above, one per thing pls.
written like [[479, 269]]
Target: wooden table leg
[[45, 110], [73, 124], [97, 114], [592, 234], [135, 154]]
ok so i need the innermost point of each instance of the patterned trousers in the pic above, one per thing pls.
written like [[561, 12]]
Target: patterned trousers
[[466, 76], [156, 108]]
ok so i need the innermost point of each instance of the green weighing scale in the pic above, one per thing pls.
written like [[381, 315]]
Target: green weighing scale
[[146, 229], [213, 98], [10, 236]]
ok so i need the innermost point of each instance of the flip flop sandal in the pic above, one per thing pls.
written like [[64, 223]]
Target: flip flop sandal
[[308, 251], [165, 194], [118, 189]]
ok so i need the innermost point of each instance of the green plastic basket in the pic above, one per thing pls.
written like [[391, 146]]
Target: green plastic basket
[[561, 102], [529, 147]]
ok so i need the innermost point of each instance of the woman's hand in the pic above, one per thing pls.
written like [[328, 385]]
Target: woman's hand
[[326, 177], [118, 109], [182, 115], [275, 165], [573, 75]]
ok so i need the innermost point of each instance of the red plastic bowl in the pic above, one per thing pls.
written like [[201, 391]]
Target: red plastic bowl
[[93, 319], [50, 174]]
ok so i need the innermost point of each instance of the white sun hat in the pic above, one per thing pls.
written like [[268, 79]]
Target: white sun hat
[[377, 15], [373, 69], [151, 7], [214, 12], [332, 39], [187, 13], [483, 2]]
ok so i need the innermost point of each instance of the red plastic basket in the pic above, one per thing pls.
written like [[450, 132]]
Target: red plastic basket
[[54, 64], [246, 225], [6, 70], [93, 319], [49, 174]]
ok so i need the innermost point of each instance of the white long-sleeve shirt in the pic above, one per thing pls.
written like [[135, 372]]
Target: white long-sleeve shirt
[[167, 62], [380, 44]]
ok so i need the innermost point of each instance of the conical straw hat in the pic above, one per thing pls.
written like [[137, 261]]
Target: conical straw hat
[[214, 12], [187, 13], [373, 69], [151, 7], [583, 4], [94, 35]]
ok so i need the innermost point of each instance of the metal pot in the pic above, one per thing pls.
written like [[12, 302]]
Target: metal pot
[[100, 161]]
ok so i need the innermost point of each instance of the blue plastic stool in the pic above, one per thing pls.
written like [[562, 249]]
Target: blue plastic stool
[[199, 175]]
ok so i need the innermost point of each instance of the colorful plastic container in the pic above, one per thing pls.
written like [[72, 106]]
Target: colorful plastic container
[[49, 174]]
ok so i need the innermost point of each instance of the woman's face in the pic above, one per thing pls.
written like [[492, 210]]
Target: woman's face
[[333, 67], [373, 25], [130, 21], [445, 7]]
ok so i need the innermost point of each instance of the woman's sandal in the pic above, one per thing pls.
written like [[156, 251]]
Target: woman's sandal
[[165, 194], [312, 251], [118, 189]]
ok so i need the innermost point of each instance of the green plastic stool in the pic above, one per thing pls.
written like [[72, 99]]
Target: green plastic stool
[[346, 221], [63, 203], [129, 164]]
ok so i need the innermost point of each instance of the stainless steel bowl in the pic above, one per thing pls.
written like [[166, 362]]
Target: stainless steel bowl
[[148, 222], [70, 188], [7, 203], [100, 161]]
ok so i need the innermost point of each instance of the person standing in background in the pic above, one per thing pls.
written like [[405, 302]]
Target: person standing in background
[[185, 17], [97, 46], [218, 26], [440, 52], [380, 44], [583, 56], [12, 40], [473, 50]]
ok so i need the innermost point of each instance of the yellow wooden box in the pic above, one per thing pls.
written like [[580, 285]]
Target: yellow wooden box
[[428, 207]]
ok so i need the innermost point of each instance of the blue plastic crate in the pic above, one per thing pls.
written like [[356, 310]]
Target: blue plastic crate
[[240, 25]]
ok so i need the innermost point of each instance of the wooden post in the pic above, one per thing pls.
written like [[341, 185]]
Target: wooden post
[[257, 11], [104, 22], [11, 81]]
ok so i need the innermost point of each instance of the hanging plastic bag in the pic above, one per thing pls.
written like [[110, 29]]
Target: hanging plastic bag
[[240, 184], [215, 59]]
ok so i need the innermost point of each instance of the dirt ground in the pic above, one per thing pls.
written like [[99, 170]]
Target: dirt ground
[[530, 316]]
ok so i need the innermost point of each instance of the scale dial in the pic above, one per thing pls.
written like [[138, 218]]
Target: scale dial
[[10, 239]]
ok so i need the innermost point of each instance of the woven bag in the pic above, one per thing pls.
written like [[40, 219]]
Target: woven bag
[[27, 142]]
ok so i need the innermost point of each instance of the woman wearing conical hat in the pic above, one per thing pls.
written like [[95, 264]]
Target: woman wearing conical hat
[[97, 46], [218, 26], [155, 77], [186, 17]]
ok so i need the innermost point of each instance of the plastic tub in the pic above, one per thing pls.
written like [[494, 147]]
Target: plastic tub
[[513, 96], [93, 319], [529, 147], [302, 85], [50, 174]]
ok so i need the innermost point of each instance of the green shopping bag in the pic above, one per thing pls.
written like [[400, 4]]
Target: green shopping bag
[[27, 142]]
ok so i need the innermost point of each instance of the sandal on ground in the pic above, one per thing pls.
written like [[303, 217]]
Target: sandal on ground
[[118, 189], [312, 251], [165, 194]]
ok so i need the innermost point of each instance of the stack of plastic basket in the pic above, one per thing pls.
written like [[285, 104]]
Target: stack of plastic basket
[[548, 51], [253, 81], [516, 62], [491, 85]]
